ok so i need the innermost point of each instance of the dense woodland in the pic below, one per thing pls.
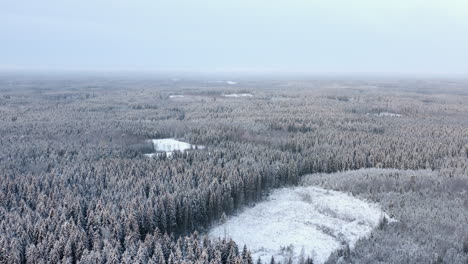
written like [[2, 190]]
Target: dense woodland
[[75, 186]]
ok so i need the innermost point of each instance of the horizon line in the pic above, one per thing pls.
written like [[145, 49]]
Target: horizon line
[[235, 72]]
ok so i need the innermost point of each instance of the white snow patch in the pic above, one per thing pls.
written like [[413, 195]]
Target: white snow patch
[[176, 96], [228, 82], [311, 219], [238, 95], [386, 114], [169, 145]]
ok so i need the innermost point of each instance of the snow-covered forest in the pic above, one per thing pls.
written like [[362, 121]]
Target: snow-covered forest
[[77, 185]]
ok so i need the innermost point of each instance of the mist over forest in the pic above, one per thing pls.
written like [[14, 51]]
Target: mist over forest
[[234, 132]]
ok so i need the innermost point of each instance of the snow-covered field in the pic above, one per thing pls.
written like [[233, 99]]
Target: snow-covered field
[[238, 95], [387, 114], [228, 82], [311, 220], [176, 96], [169, 145]]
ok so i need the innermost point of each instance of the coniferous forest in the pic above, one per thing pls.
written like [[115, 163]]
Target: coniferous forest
[[77, 187]]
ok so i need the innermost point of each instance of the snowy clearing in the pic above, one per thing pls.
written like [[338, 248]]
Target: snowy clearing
[[309, 219], [176, 96], [238, 95], [228, 82], [386, 114], [169, 145]]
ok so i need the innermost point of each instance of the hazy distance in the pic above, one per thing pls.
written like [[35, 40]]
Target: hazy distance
[[401, 37]]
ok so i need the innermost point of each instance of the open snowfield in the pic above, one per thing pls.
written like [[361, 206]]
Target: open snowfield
[[227, 82], [309, 219], [176, 96], [387, 114], [169, 145], [238, 95]]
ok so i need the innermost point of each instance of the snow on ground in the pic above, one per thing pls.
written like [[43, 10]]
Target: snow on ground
[[228, 82], [386, 114], [169, 145], [176, 96], [238, 95], [311, 219]]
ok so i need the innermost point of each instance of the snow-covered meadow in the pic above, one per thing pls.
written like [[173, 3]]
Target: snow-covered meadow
[[227, 82], [174, 96], [387, 114], [235, 95], [169, 145], [301, 221]]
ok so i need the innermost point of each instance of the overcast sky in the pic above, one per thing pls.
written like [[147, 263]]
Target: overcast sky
[[316, 37]]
